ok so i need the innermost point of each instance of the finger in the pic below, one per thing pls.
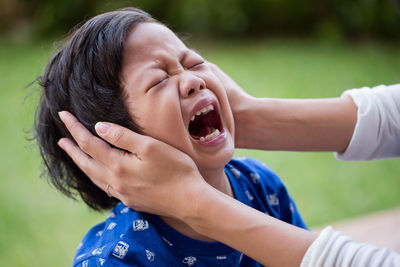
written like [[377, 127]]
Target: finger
[[217, 71], [122, 137], [109, 190], [90, 144], [96, 171], [221, 75], [89, 166]]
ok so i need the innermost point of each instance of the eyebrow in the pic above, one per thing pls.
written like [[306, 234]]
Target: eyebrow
[[184, 55], [164, 59], [181, 57]]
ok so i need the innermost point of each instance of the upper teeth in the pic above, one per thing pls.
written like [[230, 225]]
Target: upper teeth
[[204, 111]]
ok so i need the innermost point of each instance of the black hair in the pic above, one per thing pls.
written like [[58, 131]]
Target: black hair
[[83, 77]]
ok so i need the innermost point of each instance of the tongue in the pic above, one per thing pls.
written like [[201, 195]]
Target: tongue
[[204, 132], [208, 130]]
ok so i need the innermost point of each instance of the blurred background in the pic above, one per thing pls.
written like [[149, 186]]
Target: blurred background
[[274, 48]]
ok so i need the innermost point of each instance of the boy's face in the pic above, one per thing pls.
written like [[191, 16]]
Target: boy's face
[[175, 97]]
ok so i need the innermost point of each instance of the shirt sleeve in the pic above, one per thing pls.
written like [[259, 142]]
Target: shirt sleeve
[[377, 131], [333, 249]]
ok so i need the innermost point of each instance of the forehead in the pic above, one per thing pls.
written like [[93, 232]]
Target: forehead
[[152, 42]]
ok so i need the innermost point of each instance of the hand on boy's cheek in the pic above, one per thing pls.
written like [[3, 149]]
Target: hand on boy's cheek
[[144, 178], [146, 184], [234, 92]]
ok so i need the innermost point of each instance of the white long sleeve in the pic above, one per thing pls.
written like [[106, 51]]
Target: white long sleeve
[[376, 136], [333, 249], [377, 131]]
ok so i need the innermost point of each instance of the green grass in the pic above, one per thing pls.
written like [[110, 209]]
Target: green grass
[[39, 227]]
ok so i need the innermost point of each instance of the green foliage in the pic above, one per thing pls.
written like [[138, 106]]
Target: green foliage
[[327, 19], [40, 227], [241, 17]]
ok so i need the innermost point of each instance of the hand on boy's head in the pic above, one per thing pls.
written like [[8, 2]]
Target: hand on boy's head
[[238, 100], [233, 90], [144, 178]]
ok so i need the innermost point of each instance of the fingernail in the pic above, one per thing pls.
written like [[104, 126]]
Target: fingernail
[[102, 127], [64, 115], [61, 143], [61, 114]]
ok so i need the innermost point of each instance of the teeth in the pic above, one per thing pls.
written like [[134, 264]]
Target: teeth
[[214, 133], [204, 111]]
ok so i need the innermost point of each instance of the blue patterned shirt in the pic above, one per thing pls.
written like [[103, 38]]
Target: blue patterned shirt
[[131, 238]]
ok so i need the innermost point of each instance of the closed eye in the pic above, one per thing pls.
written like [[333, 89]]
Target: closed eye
[[196, 65], [158, 82]]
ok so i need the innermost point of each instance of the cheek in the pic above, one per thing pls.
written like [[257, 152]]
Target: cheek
[[219, 90], [162, 119], [214, 84]]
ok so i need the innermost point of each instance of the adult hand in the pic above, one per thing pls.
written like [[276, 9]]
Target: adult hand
[[144, 175], [239, 101], [235, 93]]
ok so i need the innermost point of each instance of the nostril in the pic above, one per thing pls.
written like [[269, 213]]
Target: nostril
[[191, 91]]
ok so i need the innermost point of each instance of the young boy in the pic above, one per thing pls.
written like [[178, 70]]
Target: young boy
[[127, 68]]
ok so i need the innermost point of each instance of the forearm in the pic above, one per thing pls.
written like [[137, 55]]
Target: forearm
[[259, 236], [295, 124]]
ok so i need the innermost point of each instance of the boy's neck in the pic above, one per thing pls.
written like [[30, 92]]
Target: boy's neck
[[217, 179]]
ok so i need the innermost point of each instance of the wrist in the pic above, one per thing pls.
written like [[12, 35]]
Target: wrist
[[256, 122], [243, 114], [190, 196], [199, 208]]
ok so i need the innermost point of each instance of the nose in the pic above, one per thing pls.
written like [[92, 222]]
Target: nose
[[189, 84]]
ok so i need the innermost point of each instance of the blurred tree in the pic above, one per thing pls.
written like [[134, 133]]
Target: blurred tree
[[52, 16], [11, 13], [326, 18]]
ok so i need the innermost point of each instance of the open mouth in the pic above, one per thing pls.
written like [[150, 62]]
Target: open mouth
[[205, 124]]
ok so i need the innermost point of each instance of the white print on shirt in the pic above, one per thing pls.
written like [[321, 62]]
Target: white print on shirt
[[125, 210], [249, 195], [80, 256], [80, 245], [273, 200], [222, 257], [121, 236], [85, 263], [101, 261], [99, 233], [98, 251], [235, 172], [255, 178], [140, 225], [111, 226], [189, 261], [265, 165], [291, 207], [111, 215], [167, 241], [241, 257], [150, 255], [120, 250]]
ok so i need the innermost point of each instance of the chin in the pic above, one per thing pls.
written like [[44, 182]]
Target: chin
[[216, 160]]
